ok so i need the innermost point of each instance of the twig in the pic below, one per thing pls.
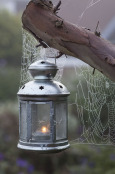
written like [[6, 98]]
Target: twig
[[56, 8], [93, 71], [96, 32], [42, 43]]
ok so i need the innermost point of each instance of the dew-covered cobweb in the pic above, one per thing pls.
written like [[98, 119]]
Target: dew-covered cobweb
[[92, 99]]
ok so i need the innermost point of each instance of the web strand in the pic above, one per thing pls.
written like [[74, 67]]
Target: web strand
[[90, 4]]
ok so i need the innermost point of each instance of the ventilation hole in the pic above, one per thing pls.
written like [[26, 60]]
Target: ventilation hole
[[41, 87], [23, 87], [60, 86], [42, 62], [49, 75]]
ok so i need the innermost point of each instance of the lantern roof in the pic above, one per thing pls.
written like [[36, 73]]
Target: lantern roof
[[38, 88], [43, 70], [43, 85]]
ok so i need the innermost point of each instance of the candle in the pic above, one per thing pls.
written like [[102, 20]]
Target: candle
[[44, 129]]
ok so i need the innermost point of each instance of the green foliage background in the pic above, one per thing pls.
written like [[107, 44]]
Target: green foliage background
[[10, 55], [10, 36], [79, 159]]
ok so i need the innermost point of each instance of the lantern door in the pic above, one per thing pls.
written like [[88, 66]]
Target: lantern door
[[41, 116]]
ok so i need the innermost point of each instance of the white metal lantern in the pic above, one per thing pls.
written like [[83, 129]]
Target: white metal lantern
[[43, 111]]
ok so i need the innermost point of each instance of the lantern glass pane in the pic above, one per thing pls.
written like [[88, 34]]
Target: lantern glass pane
[[61, 121], [23, 121], [40, 121]]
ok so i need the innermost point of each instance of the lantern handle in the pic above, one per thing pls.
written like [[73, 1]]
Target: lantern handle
[[55, 57]]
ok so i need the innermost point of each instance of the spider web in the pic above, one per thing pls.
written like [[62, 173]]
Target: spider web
[[31, 54], [92, 105]]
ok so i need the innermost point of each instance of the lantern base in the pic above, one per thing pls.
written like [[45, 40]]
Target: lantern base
[[44, 148]]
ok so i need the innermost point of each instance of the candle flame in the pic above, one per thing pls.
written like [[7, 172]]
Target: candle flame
[[44, 129]]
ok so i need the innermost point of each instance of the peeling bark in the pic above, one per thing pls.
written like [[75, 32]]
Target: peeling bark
[[40, 19]]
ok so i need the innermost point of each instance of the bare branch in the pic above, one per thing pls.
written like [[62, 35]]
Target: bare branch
[[70, 39]]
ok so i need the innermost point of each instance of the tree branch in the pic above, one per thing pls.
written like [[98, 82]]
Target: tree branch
[[42, 22]]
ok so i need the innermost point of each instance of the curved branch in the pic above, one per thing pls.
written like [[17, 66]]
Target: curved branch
[[42, 22]]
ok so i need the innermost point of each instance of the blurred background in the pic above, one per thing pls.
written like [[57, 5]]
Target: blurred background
[[79, 159]]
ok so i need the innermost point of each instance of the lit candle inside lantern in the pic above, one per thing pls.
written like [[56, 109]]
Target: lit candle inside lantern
[[44, 129]]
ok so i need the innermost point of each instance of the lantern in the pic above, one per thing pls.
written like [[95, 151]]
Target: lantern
[[43, 122]]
